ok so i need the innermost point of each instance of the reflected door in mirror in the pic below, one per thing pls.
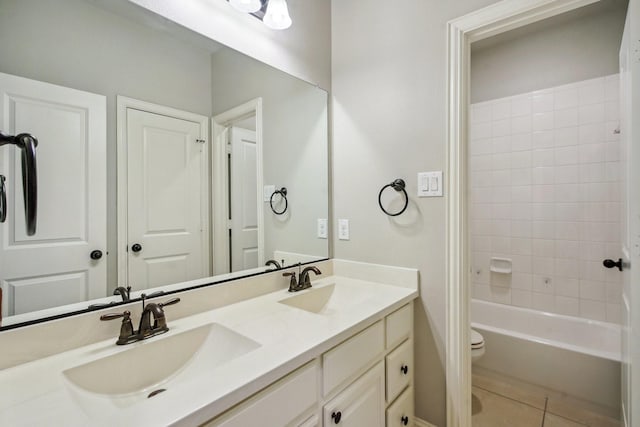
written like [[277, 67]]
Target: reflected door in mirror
[[244, 199], [167, 199], [54, 267]]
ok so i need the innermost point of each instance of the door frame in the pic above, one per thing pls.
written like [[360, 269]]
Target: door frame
[[461, 32], [219, 182], [122, 104]]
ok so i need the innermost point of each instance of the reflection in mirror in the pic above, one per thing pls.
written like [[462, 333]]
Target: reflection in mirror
[[160, 155]]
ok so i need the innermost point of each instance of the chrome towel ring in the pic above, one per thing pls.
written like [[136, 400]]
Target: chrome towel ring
[[283, 194], [397, 185]]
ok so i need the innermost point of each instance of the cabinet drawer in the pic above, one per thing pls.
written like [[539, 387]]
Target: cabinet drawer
[[311, 422], [399, 369], [349, 358], [279, 404], [399, 324], [360, 404], [400, 414]]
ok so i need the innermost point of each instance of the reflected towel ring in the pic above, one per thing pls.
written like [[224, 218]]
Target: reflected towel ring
[[283, 193], [397, 185], [3, 200]]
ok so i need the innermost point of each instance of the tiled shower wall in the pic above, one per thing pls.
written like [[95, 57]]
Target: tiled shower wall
[[545, 193]]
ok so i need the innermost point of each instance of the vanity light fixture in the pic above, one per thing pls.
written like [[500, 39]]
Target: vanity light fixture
[[247, 6], [273, 13], [277, 16]]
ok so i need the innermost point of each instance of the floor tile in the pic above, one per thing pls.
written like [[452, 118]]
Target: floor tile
[[520, 392], [551, 420], [559, 407], [492, 410]]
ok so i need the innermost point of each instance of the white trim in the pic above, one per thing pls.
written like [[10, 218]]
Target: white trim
[[417, 422], [123, 103], [489, 21], [219, 183]]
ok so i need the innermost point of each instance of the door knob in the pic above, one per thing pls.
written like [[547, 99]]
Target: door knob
[[96, 255], [136, 247], [336, 417], [609, 263]]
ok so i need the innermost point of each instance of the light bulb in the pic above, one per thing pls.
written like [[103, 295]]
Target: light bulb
[[277, 15], [247, 6]]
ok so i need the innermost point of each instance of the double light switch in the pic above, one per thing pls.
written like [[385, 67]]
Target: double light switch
[[430, 184]]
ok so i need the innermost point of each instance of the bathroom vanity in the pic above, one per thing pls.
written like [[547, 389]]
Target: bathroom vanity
[[340, 352]]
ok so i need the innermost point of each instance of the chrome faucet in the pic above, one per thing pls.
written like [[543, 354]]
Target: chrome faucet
[[146, 329], [303, 278]]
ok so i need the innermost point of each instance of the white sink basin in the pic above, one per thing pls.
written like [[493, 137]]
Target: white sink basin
[[323, 300], [130, 376]]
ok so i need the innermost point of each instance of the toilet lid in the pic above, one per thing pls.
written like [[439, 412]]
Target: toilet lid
[[477, 340]]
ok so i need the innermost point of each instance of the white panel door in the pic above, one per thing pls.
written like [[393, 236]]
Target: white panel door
[[244, 199], [630, 153], [53, 267], [165, 168]]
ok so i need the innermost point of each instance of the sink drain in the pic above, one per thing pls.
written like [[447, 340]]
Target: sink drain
[[155, 392]]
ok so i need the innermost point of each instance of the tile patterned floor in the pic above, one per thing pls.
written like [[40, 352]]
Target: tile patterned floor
[[501, 402]]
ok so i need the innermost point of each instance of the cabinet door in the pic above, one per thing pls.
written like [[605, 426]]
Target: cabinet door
[[361, 404]]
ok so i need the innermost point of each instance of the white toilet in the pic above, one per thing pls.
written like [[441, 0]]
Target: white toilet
[[477, 346]]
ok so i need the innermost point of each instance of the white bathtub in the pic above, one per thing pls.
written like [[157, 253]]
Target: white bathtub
[[568, 354]]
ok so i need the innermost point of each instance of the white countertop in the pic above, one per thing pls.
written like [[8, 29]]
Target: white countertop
[[37, 393]]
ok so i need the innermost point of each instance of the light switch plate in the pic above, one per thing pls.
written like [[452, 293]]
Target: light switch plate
[[343, 229], [322, 228], [430, 184], [267, 192]]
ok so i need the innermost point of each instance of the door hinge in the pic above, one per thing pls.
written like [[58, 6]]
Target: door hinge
[[229, 224], [228, 149]]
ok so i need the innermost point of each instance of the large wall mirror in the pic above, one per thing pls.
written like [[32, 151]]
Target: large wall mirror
[[164, 159]]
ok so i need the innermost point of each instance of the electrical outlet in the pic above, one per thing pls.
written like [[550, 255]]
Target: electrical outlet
[[343, 229], [322, 228]]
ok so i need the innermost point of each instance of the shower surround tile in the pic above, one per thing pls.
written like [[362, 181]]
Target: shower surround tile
[[546, 193]]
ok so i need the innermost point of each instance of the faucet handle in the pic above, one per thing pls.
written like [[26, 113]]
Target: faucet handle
[[170, 302], [126, 315], [293, 283]]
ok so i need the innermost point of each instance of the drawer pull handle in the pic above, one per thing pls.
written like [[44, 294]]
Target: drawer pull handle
[[405, 420], [404, 369], [336, 416]]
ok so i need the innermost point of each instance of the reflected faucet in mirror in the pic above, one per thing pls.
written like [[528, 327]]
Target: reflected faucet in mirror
[[275, 263], [125, 293]]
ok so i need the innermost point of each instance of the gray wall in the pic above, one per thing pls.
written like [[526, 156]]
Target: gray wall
[[576, 46], [76, 44], [295, 139], [389, 88]]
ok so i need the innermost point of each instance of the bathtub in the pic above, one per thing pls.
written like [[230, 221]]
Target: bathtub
[[567, 354]]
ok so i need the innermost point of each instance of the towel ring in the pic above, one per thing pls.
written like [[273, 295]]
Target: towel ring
[[397, 185], [283, 193], [3, 200]]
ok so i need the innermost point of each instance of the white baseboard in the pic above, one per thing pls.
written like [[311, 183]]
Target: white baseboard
[[421, 423]]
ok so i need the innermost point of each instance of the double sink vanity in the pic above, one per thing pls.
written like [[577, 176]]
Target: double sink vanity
[[251, 353]]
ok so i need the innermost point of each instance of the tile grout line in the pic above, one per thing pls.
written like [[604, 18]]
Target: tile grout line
[[544, 413]]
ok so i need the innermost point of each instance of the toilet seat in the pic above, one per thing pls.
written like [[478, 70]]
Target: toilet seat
[[477, 340]]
